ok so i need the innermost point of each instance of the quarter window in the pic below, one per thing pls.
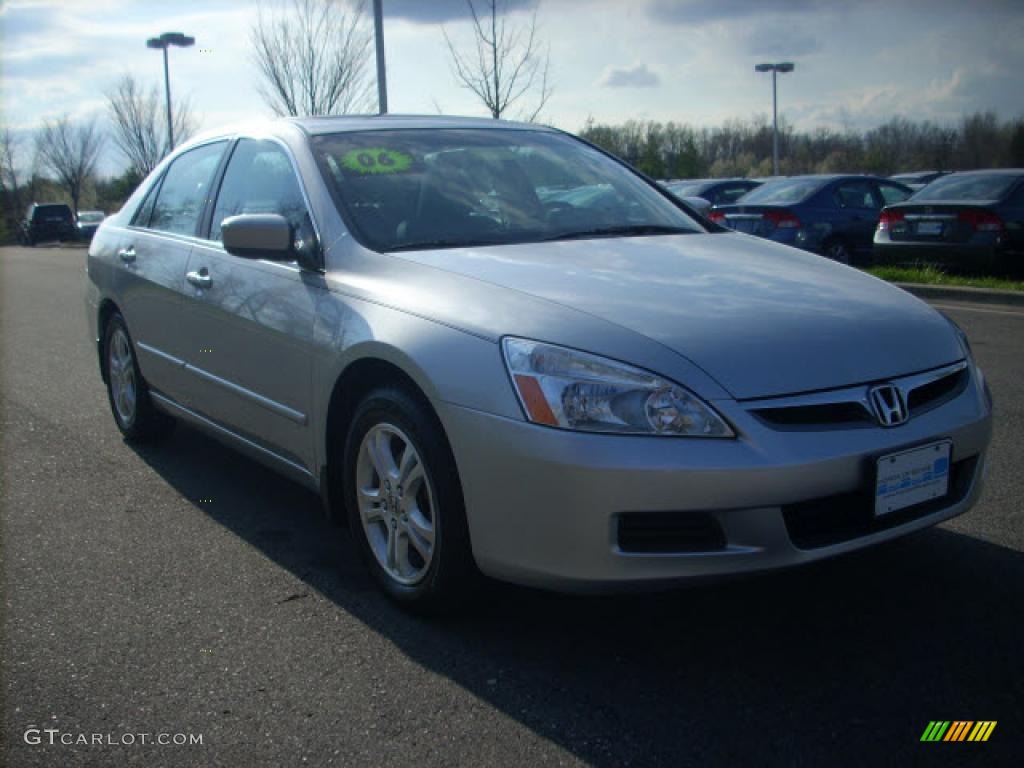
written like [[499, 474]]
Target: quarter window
[[855, 194], [185, 192], [260, 179]]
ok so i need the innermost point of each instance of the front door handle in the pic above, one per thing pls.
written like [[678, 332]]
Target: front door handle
[[200, 278], [127, 254]]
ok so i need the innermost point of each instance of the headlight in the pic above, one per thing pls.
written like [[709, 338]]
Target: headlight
[[565, 388]]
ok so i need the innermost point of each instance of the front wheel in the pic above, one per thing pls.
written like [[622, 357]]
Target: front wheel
[[405, 503], [134, 412]]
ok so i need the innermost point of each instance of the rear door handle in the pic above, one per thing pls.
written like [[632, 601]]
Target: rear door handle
[[200, 278], [127, 254]]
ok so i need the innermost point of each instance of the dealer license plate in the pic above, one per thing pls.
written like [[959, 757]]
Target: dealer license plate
[[912, 477]]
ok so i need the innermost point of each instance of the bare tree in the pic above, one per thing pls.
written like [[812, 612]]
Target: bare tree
[[312, 57], [10, 184], [70, 151], [140, 123], [507, 64]]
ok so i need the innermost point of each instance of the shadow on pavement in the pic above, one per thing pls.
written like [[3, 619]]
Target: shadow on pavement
[[838, 663]]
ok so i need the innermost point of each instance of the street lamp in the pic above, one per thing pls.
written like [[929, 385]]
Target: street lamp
[[165, 41], [382, 80], [782, 66]]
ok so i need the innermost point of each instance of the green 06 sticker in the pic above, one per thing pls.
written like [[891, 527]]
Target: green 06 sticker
[[376, 160]]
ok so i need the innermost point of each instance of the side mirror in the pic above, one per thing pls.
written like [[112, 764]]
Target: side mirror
[[258, 236]]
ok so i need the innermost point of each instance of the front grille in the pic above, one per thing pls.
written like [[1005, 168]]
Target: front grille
[[664, 532], [937, 392], [852, 414], [831, 520], [849, 408]]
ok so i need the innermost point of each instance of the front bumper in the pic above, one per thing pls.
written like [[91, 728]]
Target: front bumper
[[544, 506]]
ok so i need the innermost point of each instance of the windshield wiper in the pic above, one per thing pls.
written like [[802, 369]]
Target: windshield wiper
[[625, 230]]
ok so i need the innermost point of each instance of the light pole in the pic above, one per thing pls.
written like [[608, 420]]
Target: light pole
[[782, 66], [382, 80], [165, 41]]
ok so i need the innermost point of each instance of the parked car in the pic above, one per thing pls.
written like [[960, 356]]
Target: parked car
[[970, 221], [834, 216], [917, 179], [573, 396], [88, 222], [715, 191], [47, 221]]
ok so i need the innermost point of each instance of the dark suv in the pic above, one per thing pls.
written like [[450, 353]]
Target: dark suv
[[47, 221]]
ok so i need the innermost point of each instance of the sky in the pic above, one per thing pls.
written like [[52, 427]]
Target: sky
[[858, 62]]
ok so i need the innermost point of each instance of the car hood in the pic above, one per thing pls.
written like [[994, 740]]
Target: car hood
[[760, 318]]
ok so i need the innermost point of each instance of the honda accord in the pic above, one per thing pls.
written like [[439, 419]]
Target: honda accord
[[493, 348]]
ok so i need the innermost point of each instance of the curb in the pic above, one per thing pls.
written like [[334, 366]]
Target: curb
[[964, 293]]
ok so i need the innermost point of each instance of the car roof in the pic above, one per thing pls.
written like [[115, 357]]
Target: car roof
[[314, 126], [990, 172], [727, 179], [341, 123]]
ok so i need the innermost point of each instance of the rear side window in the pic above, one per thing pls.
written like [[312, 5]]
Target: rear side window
[[260, 179], [185, 191], [855, 194]]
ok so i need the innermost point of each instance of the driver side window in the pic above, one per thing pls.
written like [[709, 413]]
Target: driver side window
[[260, 179]]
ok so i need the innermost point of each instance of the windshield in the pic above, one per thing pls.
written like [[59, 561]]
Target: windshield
[[979, 186], [785, 192], [90, 217], [424, 188]]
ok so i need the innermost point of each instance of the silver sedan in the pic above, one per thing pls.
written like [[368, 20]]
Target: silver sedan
[[493, 348]]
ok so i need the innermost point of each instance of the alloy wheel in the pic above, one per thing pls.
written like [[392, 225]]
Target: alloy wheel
[[396, 503], [121, 370]]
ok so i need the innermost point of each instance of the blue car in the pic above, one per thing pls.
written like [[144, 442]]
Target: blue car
[[972, 221], [834, 216]]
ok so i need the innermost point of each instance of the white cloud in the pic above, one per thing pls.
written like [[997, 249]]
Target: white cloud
[[639, 76]]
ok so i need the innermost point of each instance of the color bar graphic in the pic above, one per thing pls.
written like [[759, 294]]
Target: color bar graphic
[[958, 730]]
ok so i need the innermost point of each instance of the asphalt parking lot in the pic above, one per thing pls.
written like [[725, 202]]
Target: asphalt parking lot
[[184, 589]]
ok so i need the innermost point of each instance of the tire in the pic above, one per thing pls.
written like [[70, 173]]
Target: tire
[[406, 511], [134, 412], [837, 250]]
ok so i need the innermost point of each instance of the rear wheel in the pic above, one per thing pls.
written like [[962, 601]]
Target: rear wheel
[[134, 412], [405, 503], [836, 250]]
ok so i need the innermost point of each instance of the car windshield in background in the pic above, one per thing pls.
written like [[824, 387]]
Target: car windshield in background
[[975, 186], [784, 192], [416, 188], [53, 210], [90, 217]]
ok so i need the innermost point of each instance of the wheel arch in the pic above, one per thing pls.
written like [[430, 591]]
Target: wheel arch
[[107, 309], [368, 369]]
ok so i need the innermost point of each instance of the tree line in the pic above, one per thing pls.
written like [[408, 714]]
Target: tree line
[[744, 147]]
